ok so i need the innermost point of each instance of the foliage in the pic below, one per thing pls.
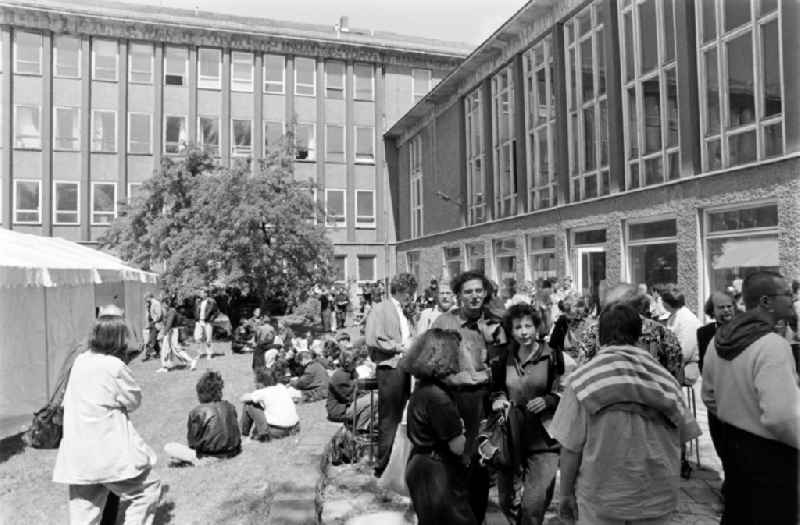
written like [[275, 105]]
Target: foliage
[[250, 228]]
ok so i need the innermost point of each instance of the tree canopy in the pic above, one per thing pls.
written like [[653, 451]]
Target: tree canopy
[[251, 228]]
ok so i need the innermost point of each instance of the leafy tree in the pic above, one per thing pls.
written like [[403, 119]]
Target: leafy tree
[[251, 229]]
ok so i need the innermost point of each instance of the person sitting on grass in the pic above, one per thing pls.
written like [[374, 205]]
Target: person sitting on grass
[[212, 429], [340, 404], [270, 409], [264, 351], [314, 381]]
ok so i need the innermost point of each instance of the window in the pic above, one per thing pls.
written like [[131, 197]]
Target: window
[[273, 133], [104, 202], [134, 191], [27, 53], [590, 237], [174, 134], [65, 203], [365, 144], [340, 268], [476, 177], [175, 66], [273, 73], [412, 261], [504, 143], [650, 93], [140, 130], [335, 212], [587, 103], [334, 143], [453, 260], [741, 92], [364, 82], [542, 258], [420, 83], [209, 68], [66, 128], [27, 201], [476, 256], [27, 127], [104, 131], [241, 71], [653, 252], [366, 268], [305, 141], [334, 80], [67, 56], [505, 259], [365, 209], [104, 59], [242, 137], [208, 134], [540, 124], [415, 165], [140, 63], [305, 76], [740, 241]]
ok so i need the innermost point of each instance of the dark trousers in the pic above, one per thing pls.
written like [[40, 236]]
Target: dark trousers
[[394, 387], [437, 491], [473, 406], [341, 316], [151, 348], [253, 415], [761, 478], [325, 317]]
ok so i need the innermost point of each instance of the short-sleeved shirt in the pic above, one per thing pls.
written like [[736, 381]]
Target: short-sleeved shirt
[[279, 408], [433, 418], [629, 463]]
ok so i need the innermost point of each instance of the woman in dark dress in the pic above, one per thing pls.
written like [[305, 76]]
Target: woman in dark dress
[[435, 474]]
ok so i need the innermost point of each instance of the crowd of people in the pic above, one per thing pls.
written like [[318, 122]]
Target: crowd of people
[[585, 386]]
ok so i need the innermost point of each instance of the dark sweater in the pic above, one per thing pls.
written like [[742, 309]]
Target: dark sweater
[[213, 430], [340, 394], [313, 382]]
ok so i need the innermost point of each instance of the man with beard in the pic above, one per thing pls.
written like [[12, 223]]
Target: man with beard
[[482, 346], [721, 309]]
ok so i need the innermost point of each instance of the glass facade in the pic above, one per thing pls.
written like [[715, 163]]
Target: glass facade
[[476, 158], [504, 143]]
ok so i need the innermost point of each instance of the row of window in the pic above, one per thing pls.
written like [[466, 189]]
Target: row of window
[[66, 134], [105, 67], [365, 268], [740, 88], [27, 204], [737, 240]]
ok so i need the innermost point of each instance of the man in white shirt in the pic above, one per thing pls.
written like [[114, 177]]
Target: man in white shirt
[[205, 313], [684, 325], [444, 303], [270, 409]]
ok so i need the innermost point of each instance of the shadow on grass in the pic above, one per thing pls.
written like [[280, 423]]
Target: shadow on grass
[[165, 510], [246, 508], [10, 447]]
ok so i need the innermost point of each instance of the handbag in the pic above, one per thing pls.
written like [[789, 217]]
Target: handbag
[[46, 428], [494, 442]]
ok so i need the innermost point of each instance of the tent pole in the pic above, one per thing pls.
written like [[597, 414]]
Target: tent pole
[[46, 345]]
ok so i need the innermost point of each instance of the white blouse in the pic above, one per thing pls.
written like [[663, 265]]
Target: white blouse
[[100, 444]]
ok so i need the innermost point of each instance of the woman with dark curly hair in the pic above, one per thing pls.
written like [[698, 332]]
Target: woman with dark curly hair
[[212, 428], [435, 474]]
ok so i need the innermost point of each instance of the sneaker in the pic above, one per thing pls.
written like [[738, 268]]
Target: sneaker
[[162, 370], [193, 365]]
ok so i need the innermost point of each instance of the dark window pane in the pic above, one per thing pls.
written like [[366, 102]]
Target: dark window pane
[[586, 70], [633, 183], [742, 147], [669, 31], [584, 21], [603, 131], [573, 82], [601, 64], [590, 185], [772, 72], [737, 12], [709, 20], [605, 183], [767, 6], [653, 173], [589, 139], [653, 264], [628, 28], [741, 98], [672, 108], [712, 93], [674, 166], [633, 123], [650, 230], [773, 140], [760, 217], [648, 32], [590, 237], [714, 155], [652, 115]]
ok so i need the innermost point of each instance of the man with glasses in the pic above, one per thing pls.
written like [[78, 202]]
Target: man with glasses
[[750, 387]]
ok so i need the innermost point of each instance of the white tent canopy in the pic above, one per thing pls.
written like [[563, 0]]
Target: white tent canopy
[[49, 291]]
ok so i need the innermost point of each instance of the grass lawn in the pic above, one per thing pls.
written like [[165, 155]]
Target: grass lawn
[[238, 490]]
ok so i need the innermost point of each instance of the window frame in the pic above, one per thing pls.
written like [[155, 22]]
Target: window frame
[[328, 77], [531, 254], [416, 96], [506, 205], [267, 83], [131, 192], [338, 222], [366, 222], [131, 70], [311, 152], [264, 124], [93, 148], [416, 180], [242, 86], [371, 96], [344, 268], [77, 210], [297, 85], [241, 150], [363, 159], [16, 126], [215, 152], [94, 42], [92, 203], [76, 124], [476, 160], [56, 38], [15, 203], [149, 149], [16, 54], [648, 241], [460, 259], [329, 154], [185, 74], [181, 148]]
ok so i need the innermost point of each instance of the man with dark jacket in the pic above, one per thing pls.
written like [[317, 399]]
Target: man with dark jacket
[[750, 387], [314, 381]]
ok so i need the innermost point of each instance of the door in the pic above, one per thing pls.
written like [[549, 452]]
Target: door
[[591, 272]]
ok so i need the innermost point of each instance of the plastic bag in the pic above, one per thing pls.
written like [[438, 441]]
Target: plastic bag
[[394, 477]]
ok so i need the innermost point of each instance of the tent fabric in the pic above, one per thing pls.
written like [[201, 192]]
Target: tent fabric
[[50, 290]]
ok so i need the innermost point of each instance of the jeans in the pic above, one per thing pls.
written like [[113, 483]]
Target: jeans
[[253, 415], [394, 387], [526, 492], [472, 403], [138, 496]]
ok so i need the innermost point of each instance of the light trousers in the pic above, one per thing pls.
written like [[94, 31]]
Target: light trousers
[[587, 516], [138, 500], [202, 333]]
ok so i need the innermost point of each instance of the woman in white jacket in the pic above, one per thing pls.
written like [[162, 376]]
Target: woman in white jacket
[[100, 451]]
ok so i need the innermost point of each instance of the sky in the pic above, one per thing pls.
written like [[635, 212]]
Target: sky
[[470, 21]]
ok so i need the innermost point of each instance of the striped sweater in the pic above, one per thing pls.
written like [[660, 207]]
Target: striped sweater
[[629, 376]]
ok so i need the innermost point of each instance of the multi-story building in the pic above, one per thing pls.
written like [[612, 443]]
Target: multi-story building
[[94, 94], [647, 141]]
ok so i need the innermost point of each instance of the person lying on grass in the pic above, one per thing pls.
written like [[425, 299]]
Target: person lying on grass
[[269, 411], [212, 429]]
